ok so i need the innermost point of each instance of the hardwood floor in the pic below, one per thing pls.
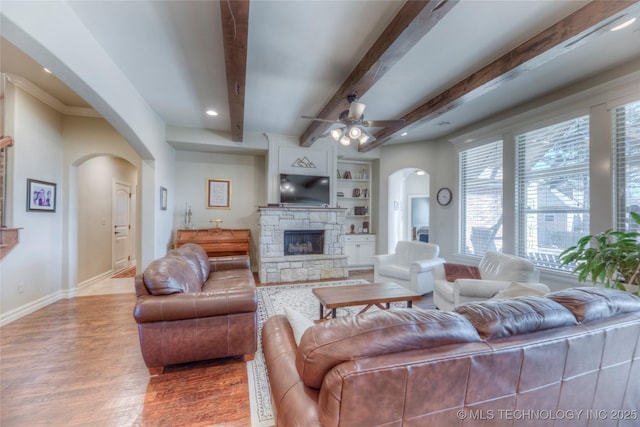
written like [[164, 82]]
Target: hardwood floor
[[77, 362]]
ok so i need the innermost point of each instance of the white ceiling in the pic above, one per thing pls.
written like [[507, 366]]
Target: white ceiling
[[300, 52]]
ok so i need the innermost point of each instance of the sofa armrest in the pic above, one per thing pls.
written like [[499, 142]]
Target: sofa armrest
[[425, 265], [384, 259], [479, 287], [237, 262], [180, 306]]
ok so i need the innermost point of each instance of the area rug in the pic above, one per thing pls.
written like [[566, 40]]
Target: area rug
[[272, 300]]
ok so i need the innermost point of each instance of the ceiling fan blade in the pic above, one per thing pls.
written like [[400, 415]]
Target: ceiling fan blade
[[383, 123], [318, 119], [356, 109]]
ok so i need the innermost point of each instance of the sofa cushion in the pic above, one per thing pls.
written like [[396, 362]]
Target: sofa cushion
[[330, 343], [460, 271], [592, 303], [197, 257], [191, 260], [393, 270], [170, 275], [520, 315]]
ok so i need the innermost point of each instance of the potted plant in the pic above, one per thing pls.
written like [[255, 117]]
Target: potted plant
[[611, 257]]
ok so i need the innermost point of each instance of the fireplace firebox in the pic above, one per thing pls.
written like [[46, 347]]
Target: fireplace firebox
[[303, 242]]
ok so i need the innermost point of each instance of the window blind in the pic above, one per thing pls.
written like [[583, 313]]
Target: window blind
[[626, 165], [480, 192], [552, 190]]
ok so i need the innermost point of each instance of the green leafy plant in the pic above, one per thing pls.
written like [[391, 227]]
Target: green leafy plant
[[610, 257]]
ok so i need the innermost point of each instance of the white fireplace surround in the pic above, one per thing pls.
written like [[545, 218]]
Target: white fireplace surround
[[276, 267]]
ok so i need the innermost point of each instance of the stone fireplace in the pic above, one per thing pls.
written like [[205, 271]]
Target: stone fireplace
[[301, 243]]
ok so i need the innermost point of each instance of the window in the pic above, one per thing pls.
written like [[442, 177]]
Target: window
[[481, 199], [626, 158], [552, 190]]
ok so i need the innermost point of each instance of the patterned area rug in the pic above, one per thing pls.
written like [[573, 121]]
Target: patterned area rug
[[272, 300]]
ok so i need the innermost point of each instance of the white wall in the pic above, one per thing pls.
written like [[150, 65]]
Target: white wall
[[248, 191], [31, 274], [438, 159]]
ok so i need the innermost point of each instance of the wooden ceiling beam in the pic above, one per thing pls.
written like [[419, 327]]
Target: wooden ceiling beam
[[568, 33], [411, 23], [234, 15]]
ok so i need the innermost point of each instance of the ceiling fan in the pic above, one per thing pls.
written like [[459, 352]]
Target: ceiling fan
[[353, 124]]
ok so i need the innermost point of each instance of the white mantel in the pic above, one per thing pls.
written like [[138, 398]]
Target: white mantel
[[275, 267]]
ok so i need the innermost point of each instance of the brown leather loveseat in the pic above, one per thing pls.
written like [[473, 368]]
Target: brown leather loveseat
[[191, 308], [568, 358]]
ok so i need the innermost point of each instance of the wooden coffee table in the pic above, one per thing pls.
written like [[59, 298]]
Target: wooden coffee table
[[376, 294]]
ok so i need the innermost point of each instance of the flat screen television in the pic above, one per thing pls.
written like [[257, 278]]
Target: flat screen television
[[307, 190]]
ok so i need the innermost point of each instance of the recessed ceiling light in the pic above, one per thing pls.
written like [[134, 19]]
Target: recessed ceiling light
[[404, 134], [624, 25], [212, 113], [444, 124], [46, 70]]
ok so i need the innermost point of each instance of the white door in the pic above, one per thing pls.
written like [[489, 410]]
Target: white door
[[121, 227]]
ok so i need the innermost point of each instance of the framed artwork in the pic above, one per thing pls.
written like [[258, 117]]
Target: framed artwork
[[163, 198], [218, 194], [41, 196]]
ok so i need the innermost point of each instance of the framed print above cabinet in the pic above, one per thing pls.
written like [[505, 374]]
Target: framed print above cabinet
[[218, 194]]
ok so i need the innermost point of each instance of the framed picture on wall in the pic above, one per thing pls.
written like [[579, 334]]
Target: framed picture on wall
[[163, 198], [41, 196], [218, 193]]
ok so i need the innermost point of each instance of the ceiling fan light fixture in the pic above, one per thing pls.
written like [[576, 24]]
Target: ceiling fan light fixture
[[363, 138], [356, 109], [355, 132], [345, 140], [336, 134]]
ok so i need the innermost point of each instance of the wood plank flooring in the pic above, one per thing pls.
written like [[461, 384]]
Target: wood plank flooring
[[77, 362]]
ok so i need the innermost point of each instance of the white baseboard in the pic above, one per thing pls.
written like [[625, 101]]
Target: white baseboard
[[29, 308]]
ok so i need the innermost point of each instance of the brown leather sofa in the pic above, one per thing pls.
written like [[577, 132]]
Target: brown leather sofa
[[191, 308], [568, 358]]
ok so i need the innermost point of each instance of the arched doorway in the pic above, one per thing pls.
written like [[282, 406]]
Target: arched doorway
[[408, 199], [106, 206]]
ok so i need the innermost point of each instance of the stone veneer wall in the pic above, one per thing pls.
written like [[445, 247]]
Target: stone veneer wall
[[274, 266]]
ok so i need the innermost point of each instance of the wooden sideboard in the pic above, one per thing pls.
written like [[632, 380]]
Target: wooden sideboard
[[217, 241]]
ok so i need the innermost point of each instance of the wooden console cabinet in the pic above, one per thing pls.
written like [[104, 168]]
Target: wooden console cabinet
[[217, 241]]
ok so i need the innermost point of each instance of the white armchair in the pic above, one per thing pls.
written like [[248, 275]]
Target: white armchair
[[497, 271], [410, 266]]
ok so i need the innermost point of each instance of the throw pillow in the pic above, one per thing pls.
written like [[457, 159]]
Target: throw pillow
[[460, 271], [519, 289], [299, 323]]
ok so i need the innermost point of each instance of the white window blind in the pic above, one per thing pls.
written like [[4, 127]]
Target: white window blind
[[480, 181], [626, 159], [552, 190]]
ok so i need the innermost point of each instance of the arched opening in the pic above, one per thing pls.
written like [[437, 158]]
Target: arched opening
[[408, 206], [106, 208]]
